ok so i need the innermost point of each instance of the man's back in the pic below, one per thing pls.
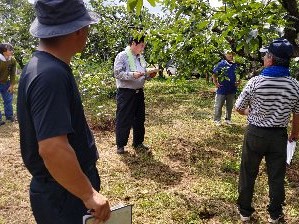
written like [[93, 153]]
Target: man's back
[[49, 105], [272, 100]]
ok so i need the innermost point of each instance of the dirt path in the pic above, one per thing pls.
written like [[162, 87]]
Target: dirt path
[[13, 175]]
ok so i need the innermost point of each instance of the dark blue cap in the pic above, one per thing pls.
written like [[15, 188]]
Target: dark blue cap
[[280, 48]]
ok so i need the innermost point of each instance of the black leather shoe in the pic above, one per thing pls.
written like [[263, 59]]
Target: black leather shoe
[[141, 148], [120, 150], [2, 123]]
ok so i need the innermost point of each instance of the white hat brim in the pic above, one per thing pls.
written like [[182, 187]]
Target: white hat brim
[[264, 49]]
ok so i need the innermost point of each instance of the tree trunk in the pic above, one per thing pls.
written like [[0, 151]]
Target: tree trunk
[[292, 30]]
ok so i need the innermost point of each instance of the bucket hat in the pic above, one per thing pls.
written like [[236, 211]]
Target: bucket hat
[[280, 48], [60, 17]]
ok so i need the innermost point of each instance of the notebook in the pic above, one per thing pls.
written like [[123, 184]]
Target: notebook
[[120, 214]]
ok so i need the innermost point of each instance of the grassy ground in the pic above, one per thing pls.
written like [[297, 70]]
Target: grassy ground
[[190, 178]]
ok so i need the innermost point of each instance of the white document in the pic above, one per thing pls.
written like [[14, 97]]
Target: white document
[[290, 151], [120, 214]]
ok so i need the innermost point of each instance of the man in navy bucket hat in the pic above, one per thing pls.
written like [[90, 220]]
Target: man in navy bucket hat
[[57, 145], [268, 100]]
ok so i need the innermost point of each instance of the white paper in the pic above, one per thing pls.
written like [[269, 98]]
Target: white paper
[[290, 151], [120, 214]]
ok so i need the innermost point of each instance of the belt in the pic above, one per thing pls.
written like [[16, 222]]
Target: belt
[[133, 90], [268, 128]]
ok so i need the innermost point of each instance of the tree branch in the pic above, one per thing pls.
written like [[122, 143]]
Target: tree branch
[[292, 18]]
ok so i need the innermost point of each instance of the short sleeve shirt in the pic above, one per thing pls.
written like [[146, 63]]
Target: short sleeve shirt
[[227, 71], [271, 100], [49, 105]]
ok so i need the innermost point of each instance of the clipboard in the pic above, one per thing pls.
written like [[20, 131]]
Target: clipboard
[[119, 214]]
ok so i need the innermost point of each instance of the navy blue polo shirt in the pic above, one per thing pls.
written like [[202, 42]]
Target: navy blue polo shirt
[[49, 105], [228, 85]]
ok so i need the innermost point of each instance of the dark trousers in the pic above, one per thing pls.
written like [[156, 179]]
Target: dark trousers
[[7, 100], [130, 112], [270, 143], [52, 204]]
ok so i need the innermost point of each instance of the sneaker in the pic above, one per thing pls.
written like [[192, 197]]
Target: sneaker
[[120, 150], [244, 218], [2, 123], [11, 119], [280, 218], [229, 122]]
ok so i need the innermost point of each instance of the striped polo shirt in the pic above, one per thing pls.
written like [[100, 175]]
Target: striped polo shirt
[[271, 100]]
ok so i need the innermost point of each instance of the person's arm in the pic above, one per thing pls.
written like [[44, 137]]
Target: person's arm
[[149, 76], [215, 80], [61, 161], [12, 75], [121, 71], [294, 136], [242, 105], [238, 82], [243, 111]]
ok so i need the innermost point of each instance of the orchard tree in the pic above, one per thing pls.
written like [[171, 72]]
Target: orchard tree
[[110, 35], [15, 18], [197, 35], [250, 19]]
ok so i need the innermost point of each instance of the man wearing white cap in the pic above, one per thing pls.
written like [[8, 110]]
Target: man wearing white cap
[[268, 100], [225, 80], [57, 145]]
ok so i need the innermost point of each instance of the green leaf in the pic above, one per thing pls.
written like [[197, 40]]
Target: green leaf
[[152, 2], [202, 24], [139, 6], [240, 45], [131, 5]]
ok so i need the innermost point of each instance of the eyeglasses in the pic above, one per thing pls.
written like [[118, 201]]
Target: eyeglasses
[[267, 54]]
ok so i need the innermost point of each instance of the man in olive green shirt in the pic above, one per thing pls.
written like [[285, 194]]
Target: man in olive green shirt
[[7, 80]]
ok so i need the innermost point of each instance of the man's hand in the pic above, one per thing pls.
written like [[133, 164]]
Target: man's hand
[[99, 207], [294, 136], [10, 89], [217, 84], [215, 81], [137, 75], [238, 83], [152, 75], [243, 112], [61, 161]]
